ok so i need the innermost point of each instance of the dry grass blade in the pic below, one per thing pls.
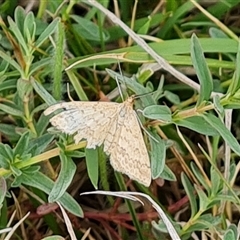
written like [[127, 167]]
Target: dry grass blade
[[131, 196]]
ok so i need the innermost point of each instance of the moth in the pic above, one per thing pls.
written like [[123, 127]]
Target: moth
[[113, 125]]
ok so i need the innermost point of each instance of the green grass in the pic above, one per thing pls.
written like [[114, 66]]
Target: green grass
[[189, 65]]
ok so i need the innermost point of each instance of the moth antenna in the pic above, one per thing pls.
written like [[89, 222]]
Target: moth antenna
[[120, 89], [144, 129]]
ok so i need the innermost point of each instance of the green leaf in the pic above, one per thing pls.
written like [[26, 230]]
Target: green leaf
[[3, 190], [58, 62], [202, 70], [42, 123], [11, 61], [189, 191], [88, 29], [7, 152], [200, 177], [223, 131], [235, 81], [134, 86], [92, 165], [158, 155], [68, 169], [22, 145], [47, 32], [9, 131], [145, 27], [229, 235], [42, 92], [203, 199], [17, 172], [40, 181], [15, 30], [37, 66], [41, 143], [167, 174], [197, 124], [76, 154], [217, 104], [172, 97], [206, 221], [4, 162], [24, 87], [216, 182], [55, 237], [30, 28], [235, 230], [19, 17], [158, 112], [12, 110], [9, 84]]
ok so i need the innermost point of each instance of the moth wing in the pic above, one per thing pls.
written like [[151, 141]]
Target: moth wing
[[89, 120], [128, 152]]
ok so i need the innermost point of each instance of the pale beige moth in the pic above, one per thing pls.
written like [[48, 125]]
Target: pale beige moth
[[115, 125]]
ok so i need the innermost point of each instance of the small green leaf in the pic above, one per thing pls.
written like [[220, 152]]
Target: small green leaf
[[235, 230], [197, 124], [217, 104], [88, 29], [172, 97], [29, 28], [58, 62], [235, 81], [22, 145], [11, 61], [145, 27], [217, 33], [158, 112], [17, 172], [202, 70], [203, 199], [41, 143], [19, 16], [12, 110], [92, 165], [7, 152], [15, 30], [76, 154], [9, 84], [134, 86], [68, 169], [158, 155], [223, 131], [42, 92], [24, 87], [206, 221], [200, 177], [216, 182], [189, 191], [9, 130], [4, 162], [55, 237], [229, 235], [40, 181], [3, 190], [42, 63], [167, 174], [46, 33]]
